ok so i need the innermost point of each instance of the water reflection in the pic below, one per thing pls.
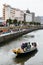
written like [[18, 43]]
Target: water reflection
[[23, 59]]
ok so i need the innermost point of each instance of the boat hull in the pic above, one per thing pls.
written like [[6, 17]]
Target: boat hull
[[25, 53]]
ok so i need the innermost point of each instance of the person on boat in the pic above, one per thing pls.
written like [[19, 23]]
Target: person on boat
[[34, 44], [25, 46], [22, 46], [29, 45]]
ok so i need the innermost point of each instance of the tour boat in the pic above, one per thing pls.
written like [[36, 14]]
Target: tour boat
[[25, 48]]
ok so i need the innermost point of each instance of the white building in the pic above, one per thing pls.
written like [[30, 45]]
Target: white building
[[7, 12], [28, 17], [19, 15], [33, 16], [12, 13]]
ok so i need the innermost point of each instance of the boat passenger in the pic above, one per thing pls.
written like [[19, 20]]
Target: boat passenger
[[28, 46], [34, 44], [25, 44], [22, 46]]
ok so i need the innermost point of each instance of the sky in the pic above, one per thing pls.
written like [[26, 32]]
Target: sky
[[35, 6]]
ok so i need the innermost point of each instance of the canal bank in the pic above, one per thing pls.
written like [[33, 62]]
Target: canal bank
[[12, 35]]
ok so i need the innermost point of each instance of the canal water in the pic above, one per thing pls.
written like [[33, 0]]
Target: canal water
[[7, 57]]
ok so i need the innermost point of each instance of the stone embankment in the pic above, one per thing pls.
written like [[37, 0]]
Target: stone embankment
[[11, 35]]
